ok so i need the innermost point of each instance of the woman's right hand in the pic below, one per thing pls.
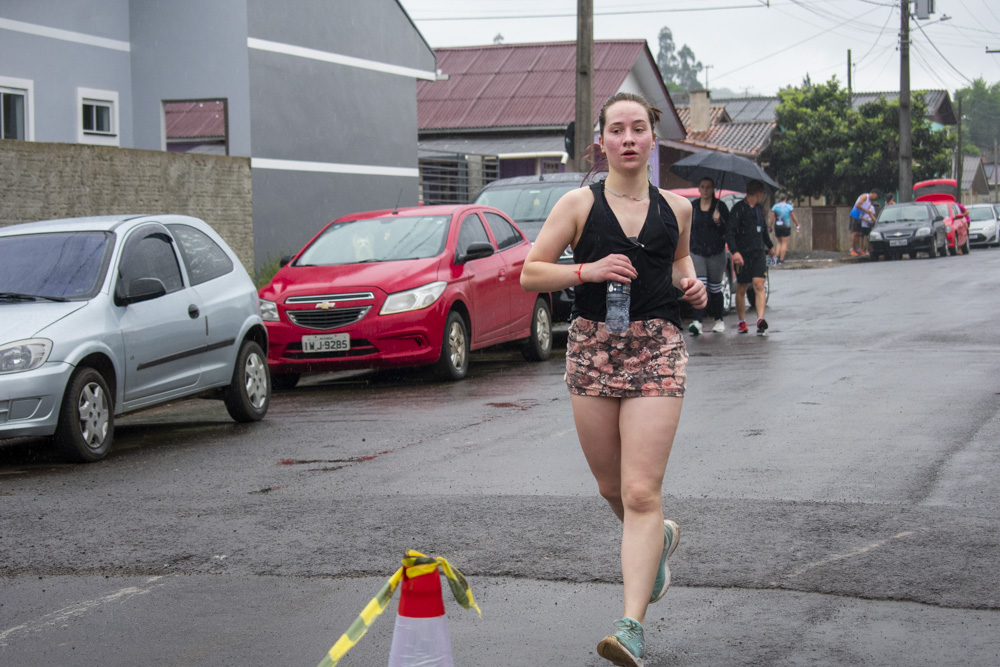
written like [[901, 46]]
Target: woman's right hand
[[613, 267]]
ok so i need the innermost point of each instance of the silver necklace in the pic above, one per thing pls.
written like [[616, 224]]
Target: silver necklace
[[643, 197]]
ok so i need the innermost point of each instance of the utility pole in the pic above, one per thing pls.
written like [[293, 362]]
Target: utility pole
[[584, 130], [905, 123], [850, 97], [960, 154], [708, 67]]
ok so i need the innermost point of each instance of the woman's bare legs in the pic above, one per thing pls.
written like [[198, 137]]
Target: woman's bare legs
[[627, 443]]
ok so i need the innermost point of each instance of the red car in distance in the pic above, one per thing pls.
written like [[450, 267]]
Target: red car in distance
[[943, 194], [419, 286], [956, 220]]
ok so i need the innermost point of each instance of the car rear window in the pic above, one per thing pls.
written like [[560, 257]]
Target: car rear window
[[529, 203], [203, 258], [69, 265], [378, 240]]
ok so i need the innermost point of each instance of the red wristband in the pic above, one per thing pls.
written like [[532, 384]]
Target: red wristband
[[577, 272]]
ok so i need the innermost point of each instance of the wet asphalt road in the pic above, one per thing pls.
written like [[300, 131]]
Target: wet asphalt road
[[836, 484]]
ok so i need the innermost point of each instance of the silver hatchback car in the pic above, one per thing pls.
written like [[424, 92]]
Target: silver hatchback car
[[105, 315]]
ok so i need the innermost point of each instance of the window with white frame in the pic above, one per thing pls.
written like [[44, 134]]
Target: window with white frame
[[97, 116], [16, 110]]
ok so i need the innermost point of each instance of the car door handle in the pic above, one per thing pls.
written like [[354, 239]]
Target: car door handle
[[502, 274], [193, 311]]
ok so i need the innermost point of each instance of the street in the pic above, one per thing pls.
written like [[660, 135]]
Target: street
[[835, 482]]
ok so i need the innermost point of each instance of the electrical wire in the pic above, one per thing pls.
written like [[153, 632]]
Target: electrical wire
[[929, 41]]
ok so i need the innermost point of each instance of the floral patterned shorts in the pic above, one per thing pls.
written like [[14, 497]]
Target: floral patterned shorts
[[647, 360]]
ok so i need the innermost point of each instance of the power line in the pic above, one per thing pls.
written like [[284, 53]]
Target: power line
[[924, 33], [573, 14]]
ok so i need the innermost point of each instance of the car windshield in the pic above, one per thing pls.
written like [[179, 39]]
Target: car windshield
[[980, 212], [378, 240], [57, 265], [903, 214], [530, 203]]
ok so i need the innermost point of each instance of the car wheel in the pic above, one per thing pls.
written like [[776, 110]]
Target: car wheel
[[965, 248], [454, 361], [932, 252], [284, 380], [943, 250], [249, 393], [539, 344], [86, 418]]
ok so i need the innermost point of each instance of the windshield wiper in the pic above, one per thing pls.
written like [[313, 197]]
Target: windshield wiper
[[29, 297]]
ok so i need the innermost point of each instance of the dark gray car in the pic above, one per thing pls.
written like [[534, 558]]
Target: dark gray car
[[908, 228]]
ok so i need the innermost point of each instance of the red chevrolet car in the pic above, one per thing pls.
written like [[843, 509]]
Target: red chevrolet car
[[956, 220], [406, 287]]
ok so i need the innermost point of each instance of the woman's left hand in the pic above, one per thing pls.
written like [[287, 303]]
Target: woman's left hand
[[694, 292]]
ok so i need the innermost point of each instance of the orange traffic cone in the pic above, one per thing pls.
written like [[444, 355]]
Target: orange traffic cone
[[420, 638]]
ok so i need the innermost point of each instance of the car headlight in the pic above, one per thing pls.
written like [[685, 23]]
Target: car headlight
[[268, 310], [924, 231], [414, 299], [875, 236], [24, 355]]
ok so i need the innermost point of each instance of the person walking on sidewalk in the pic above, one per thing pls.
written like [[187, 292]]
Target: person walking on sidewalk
[[627, 388], [747, 233], [782, 217], [709, 217], [862, 219]]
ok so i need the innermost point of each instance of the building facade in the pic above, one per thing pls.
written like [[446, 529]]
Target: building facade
[[319, 94]]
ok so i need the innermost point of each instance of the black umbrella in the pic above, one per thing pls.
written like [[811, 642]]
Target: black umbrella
[[725, 169]]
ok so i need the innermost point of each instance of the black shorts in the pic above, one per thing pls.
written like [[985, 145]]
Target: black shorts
[[781, 231], [855, 225], [866, 230], [754, 266]]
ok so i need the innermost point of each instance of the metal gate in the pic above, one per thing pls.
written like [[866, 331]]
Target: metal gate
[[824, 228], [454, 178]]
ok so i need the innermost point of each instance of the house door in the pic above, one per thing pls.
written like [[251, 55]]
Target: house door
[[824, 219]]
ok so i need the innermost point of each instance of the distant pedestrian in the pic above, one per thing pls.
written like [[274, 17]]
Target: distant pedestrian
[[890, 199], [862, 219], [709, 217], [747, 233], [782, 216]]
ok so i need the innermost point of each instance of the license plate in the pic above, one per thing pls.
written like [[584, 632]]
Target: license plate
[[327, 343], [897, 242]]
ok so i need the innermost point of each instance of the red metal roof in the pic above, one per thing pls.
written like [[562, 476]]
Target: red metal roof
[[518, 85], [195, 120]]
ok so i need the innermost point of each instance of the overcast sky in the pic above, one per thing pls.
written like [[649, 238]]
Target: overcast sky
[[752, 46]]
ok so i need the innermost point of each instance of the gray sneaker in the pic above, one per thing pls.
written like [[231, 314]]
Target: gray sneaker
[[719, 327], [627, 646], [671, 536]]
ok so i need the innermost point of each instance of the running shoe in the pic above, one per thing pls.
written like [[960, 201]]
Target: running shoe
[[742, 328], [626, 647], [671, 536], [695, 328], [854, 253], [761, 326], [719, 327]]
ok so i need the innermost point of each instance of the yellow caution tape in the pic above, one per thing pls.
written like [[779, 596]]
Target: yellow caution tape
[[415, 564]]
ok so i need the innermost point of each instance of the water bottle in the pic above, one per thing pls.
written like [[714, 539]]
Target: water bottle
[[618, 301]]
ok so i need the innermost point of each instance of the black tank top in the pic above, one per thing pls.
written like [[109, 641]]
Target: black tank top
[[652, 255]]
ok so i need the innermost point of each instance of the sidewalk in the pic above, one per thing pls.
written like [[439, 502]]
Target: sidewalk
[[816, 259]]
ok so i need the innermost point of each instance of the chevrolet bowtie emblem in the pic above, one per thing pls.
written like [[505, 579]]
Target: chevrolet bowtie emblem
[[325, 305]]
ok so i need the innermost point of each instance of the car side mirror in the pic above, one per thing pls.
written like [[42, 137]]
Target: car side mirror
[[141, 289], [476, 250], [285, 260]]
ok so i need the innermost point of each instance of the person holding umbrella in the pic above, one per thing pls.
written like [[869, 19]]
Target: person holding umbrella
[[709, 218], [750, 244], [626, 388]]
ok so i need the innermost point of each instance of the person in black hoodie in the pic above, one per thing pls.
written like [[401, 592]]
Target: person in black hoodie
[[750, 243], [709, 218]]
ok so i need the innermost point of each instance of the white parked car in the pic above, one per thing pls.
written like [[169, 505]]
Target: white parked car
[[984, 224], [104, 315]]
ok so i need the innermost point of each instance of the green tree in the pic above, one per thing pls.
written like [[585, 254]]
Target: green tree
[[827, 148], [981, 115], [678, 69]]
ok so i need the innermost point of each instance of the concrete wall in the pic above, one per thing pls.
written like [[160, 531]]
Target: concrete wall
[[42, 181]]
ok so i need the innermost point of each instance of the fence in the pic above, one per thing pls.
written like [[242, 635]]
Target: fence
[[454, 178]]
